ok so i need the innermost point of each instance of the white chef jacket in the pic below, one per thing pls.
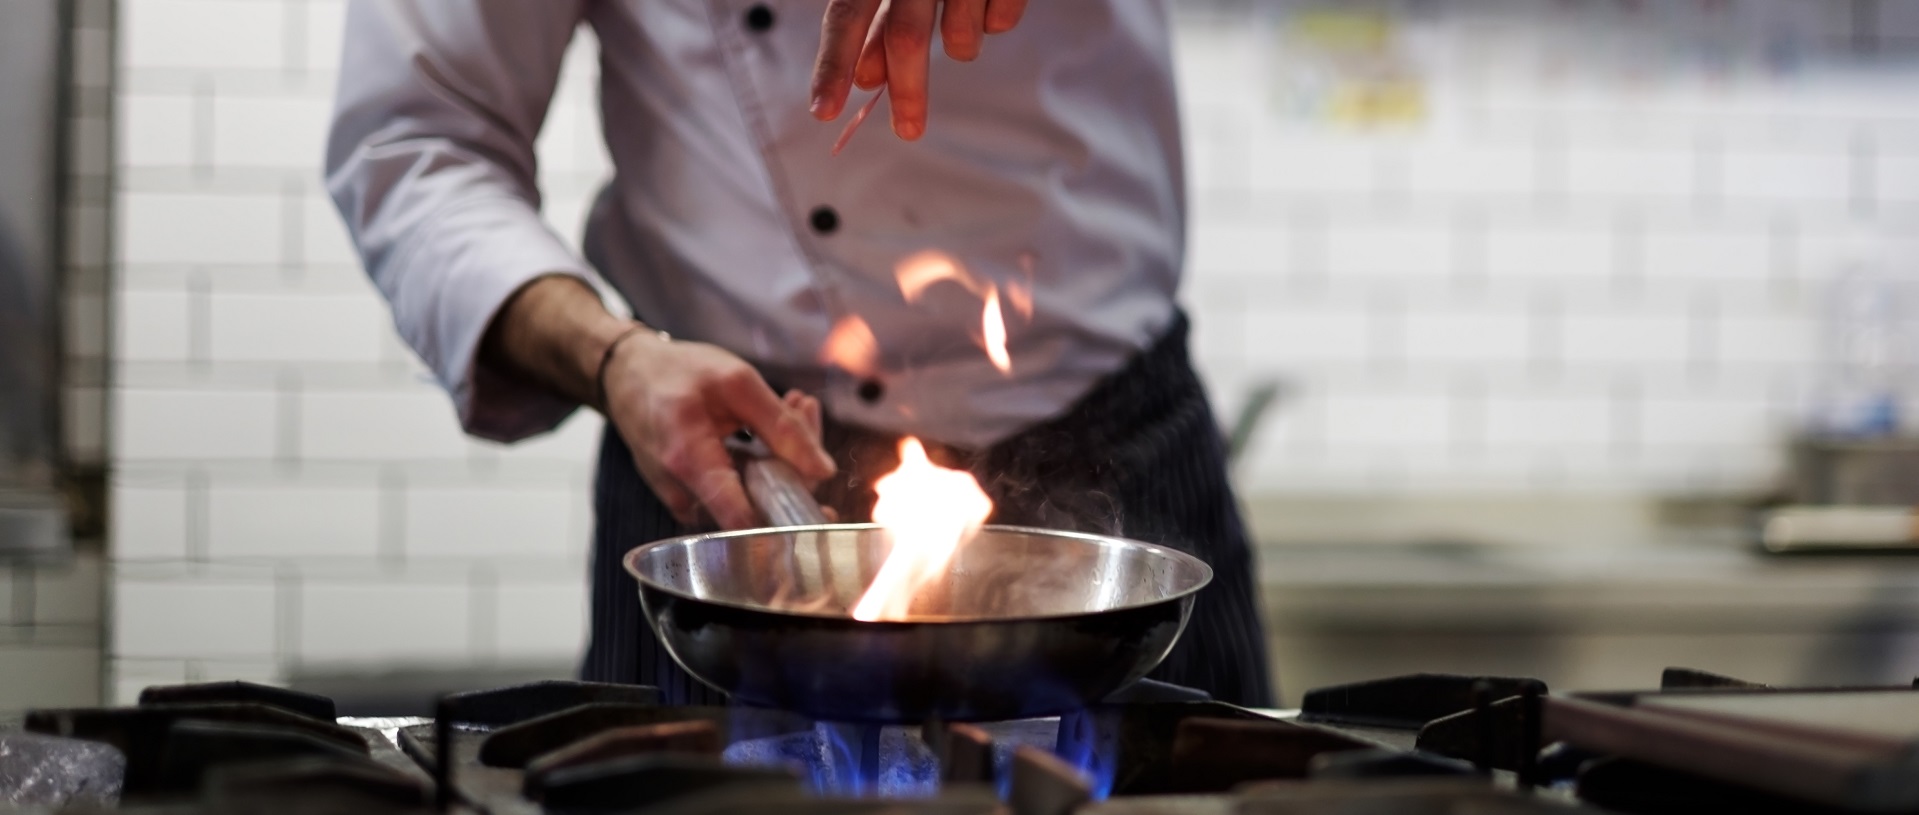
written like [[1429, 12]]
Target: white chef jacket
[[1053, 162]]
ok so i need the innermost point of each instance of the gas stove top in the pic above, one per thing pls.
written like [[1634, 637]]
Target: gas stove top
[[1424, 743]]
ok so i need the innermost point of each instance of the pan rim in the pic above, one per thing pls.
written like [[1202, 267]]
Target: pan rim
[[628, 561]]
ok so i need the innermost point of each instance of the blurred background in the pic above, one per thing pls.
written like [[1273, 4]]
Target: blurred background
[[1522, 316]]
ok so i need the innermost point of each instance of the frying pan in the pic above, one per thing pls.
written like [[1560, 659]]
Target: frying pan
[[1025, 622]]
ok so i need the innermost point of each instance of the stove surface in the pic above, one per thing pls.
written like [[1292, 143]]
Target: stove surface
[[1423, 743]]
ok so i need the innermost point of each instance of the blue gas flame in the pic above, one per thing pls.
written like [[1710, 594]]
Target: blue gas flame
[[831, 759], [1090, 748]]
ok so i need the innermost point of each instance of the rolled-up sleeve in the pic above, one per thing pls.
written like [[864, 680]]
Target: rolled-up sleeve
[[430, 160]]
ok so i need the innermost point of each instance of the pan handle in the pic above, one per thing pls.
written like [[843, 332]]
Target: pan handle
[[780, 495]]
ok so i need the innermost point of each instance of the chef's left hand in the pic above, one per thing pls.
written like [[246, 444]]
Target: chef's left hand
[[875, 42]]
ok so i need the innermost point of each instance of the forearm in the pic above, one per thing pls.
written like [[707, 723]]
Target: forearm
[[552, 333]]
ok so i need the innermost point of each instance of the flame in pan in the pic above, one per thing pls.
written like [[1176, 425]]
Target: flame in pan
[[928, 510]]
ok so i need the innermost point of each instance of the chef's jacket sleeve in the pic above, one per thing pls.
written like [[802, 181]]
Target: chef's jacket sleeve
[[430, 160]]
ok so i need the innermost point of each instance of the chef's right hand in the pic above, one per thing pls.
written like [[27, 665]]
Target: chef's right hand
[[873, 42], [675, 403]]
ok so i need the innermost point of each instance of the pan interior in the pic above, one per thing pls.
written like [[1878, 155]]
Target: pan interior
[[1001, 573]]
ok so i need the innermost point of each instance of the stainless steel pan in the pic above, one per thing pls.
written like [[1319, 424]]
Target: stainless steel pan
[[1026, 622]]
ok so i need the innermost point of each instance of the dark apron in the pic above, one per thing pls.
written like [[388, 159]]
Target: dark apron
[[1139, 457]]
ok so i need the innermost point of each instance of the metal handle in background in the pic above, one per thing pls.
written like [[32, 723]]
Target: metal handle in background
[[779, 494]]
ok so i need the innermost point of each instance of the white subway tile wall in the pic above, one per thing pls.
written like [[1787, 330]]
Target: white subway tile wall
[[1529, 288], [291, 490]]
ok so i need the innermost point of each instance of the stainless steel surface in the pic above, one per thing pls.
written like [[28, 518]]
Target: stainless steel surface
[[1588, 617], [32, 74], [778, 492], [1864, 472], [1025, 623]]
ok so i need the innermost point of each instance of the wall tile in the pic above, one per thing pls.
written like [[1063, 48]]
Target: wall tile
[[293, 521], [1306, 165], [1452, 167], [152, 325], [1467, 334], [1225, 251], [1800, 179], [1550, 251], [325, 29], [383, 622], [476, 522], [325, 239], [1300, 331], [68, 593], [1775, 340], [1389, 248], [255, 131], [1897, 178], [156, 130], [193, 617], [542, 620], [1530, 421], [1630, 173], [1685, 251], [245, 34], [1368, 418], [192, 425], [149, 521], [1708, 422], [1641, 336], [196, 228], [296, 327], [130, 676], [34, 676], [380, 425]]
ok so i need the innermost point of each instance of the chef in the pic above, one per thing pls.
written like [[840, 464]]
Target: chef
[[829, 304]]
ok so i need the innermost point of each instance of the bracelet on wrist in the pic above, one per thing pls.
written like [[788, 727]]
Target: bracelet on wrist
[[606, 358]]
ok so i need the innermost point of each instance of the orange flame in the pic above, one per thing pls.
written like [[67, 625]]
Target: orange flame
[[928, 511], [993, 330], [852, 346], [922, 269]]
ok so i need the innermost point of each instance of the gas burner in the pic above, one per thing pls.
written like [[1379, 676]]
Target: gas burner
[[1422, 742]]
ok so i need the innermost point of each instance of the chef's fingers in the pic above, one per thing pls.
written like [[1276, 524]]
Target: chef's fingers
[[909, 41], [808, 408], [832, 515], [1002, 15], [870, 73], [678, 500], [963, 28], [842, 32], [750, 401], [701, 462]]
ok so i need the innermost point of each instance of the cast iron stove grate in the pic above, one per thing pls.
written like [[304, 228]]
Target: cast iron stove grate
[[1421, 743]]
